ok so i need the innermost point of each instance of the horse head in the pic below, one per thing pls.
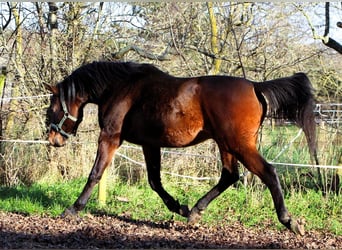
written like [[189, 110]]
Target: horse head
[[64, 114]]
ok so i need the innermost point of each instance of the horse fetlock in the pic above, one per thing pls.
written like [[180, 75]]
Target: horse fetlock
[[71, 211], [195, 215], [297, 226], [285, 218], [184, 211], [173, 205]]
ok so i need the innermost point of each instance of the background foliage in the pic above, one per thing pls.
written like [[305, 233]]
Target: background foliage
[[44, 42]]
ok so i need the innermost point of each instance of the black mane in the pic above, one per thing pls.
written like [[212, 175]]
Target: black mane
[[98, 78]]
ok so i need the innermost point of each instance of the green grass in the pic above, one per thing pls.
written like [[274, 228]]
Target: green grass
[[253, 207]]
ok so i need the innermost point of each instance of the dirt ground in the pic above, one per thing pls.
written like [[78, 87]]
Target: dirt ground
[[20, 231]]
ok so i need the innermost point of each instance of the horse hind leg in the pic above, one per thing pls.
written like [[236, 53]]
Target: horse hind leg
[[255, 163], [229, 176]]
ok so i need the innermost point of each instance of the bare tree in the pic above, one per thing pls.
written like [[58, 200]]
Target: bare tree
[[325, 38], [47, 41]]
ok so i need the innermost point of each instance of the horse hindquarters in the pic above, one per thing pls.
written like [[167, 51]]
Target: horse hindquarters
[[235, 116]]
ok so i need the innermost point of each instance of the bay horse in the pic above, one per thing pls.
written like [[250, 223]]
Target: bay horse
[[143, 105]]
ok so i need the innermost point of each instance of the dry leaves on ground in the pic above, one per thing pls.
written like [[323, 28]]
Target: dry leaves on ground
[[19, 231]]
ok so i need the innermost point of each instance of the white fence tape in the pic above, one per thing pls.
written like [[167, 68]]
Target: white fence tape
[[318, 109], [142, 164], [6, 99], [25, 141], [306, 165]]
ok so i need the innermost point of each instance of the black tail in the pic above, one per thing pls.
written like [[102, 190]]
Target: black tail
[[292, 98]]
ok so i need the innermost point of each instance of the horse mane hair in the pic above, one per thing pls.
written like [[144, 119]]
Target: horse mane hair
[[98, 78]]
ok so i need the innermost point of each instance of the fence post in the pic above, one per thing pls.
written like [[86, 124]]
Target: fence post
[[102, 193], [3, 74]]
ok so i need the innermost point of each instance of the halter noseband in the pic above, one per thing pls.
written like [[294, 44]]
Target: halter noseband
[[58, 127]]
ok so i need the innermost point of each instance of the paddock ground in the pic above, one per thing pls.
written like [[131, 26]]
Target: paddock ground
[[104, 231]]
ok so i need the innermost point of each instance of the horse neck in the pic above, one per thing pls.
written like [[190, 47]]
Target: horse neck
[[73, 98]]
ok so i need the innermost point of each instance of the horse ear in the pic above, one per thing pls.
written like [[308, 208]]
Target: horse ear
[[52, 89]]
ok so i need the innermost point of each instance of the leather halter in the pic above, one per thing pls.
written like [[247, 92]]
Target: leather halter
[[67, 115]]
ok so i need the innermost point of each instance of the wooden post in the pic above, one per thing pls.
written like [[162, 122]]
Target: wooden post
[[102, 194], [3, 73]]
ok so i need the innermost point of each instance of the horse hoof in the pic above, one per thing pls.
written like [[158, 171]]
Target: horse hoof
[[69, 212], [195, 216], [184, 211], [297, 226]]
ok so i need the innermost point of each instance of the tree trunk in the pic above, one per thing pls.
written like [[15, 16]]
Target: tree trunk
[[13, 105], [2, 86], [53, 25], [214, 40]]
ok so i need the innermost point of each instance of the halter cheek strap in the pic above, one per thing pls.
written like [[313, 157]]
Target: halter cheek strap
[[58, 127]]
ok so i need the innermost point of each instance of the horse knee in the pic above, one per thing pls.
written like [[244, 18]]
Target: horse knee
[[95, 176], [154, 182], [235, 177], [228, 177], [153, 185]]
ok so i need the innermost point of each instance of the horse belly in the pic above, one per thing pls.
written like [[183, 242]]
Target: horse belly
[[182, 131]]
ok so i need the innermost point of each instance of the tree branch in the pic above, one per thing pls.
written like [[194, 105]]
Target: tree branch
[[90, 45], [142, 53], [9, 18], [327, 19], [329, 42]]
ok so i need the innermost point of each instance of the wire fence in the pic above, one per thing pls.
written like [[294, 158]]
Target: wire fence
[[327, 114]]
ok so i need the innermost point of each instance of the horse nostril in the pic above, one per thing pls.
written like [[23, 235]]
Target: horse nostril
[[56, 141], [59, 142]]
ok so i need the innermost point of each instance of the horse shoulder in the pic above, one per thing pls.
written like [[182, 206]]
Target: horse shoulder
[[113, 112], [185, 120]]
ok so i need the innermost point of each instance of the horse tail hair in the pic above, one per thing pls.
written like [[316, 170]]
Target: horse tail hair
[[291, 98]]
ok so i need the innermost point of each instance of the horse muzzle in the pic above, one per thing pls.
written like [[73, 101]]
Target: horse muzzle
[[56, 139]]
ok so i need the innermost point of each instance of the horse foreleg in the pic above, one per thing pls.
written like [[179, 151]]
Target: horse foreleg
[[152, 159], [229, 175], [104, 156]]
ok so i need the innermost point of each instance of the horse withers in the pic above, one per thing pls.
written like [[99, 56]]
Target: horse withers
[[143, 105]]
